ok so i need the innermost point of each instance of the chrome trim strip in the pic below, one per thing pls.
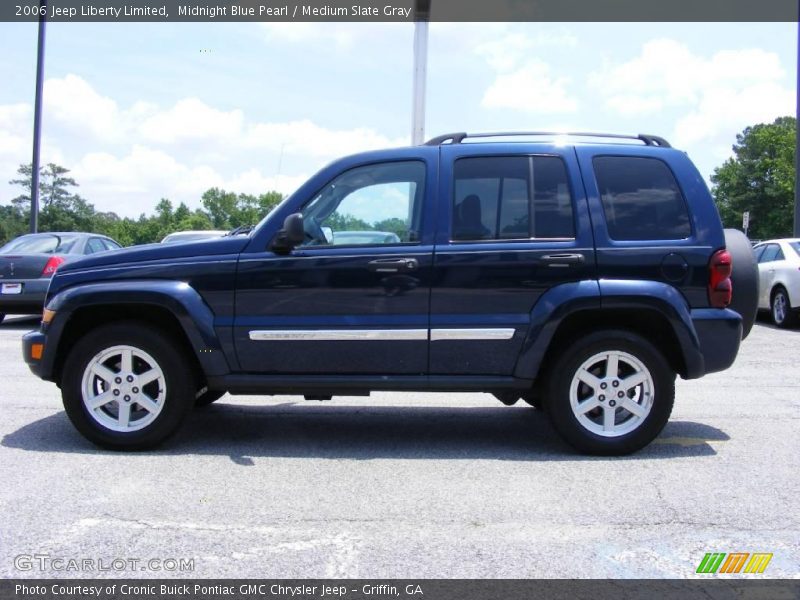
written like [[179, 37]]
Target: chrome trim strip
[[331, 335], [472, 334]]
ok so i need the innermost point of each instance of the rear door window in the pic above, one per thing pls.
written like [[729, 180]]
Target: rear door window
[[507, 198], [641, 199], [770, 254]]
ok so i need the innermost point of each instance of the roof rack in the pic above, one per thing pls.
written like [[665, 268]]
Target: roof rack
[[457, 138]]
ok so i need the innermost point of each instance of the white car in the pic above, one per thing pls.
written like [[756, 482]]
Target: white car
[[779, 276]]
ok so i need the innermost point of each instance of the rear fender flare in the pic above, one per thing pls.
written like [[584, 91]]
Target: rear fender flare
[[564, 300]]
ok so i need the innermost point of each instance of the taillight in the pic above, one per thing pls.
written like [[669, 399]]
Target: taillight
[[52, 264], [720, 288]]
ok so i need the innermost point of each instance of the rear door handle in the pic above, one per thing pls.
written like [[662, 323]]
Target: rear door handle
[[393, 265], [562, 260]]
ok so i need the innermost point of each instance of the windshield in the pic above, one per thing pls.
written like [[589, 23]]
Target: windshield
[[40, 244]]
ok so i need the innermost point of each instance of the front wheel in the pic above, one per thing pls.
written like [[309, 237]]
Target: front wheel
[[125, 387], [610, 393]]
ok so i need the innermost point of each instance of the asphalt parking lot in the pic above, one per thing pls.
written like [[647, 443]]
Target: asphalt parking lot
[[409, 485]]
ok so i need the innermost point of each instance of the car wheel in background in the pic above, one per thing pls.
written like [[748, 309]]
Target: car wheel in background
[[781, 310], [744, 278], [125, 387], [610, 393]]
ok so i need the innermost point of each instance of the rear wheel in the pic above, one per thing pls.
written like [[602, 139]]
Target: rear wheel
[[781, 309], [125, 387], [610, 393]]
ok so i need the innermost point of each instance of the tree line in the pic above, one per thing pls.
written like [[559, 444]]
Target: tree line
[[62, 209], [759, 178]]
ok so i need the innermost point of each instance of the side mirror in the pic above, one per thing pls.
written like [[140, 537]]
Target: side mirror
[[293, 234]]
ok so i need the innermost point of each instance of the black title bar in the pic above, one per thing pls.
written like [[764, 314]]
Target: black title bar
[[402, 10]]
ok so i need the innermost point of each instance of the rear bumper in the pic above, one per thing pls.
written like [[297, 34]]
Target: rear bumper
[[719, 333], [30, 301]]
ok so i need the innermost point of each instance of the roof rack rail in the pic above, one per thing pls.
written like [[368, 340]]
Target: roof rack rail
[[457, 138]]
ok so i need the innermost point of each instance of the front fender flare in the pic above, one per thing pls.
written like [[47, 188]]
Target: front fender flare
[[181, 300]]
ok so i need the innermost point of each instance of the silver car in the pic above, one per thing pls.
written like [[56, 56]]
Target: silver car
[[779, 276]]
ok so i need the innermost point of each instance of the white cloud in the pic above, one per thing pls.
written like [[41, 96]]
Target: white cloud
[[74, 103], [307, 138], [666, 73], [132, 184], [190, 120], [513, 49], [719, 95], [531, 88]]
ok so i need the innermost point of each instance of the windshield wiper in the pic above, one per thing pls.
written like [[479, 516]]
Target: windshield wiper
[[241, 230]]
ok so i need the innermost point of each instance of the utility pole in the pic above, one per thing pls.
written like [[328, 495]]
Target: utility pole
[[422, 10], [797, 139], [37, 118]]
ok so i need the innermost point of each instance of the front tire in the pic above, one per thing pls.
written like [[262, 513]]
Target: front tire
[[610, 393], [125, 386], [781, 309]]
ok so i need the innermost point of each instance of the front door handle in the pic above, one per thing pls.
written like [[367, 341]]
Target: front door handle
[[562, 260], [393, 265]]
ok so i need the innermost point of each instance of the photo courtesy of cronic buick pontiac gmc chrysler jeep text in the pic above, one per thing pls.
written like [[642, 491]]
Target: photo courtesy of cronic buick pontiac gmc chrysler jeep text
[[578, 272]]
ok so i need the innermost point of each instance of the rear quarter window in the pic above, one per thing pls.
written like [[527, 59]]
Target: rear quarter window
[[641, 199]]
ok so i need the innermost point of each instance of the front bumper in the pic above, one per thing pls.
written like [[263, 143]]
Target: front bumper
[[719, 333], [29, 342], [30, 301]]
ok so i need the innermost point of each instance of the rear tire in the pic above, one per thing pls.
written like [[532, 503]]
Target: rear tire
[[781, 310], [125, 386], [606, 410]]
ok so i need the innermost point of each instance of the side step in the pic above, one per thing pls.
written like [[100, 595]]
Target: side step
[[319, 386]]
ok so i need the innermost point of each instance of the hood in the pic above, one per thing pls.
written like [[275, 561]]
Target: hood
[[159, 252]]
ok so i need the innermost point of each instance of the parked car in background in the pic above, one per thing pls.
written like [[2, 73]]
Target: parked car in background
[[192, 236], [779, 275], [28, 262]]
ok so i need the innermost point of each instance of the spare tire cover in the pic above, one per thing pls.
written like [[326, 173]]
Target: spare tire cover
[[744, 277]]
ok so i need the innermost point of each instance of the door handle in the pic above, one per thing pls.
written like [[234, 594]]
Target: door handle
[[393, 265], [562, 260]]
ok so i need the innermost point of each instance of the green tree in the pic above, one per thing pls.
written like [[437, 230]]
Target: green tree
[[227, 210], [759, 178]]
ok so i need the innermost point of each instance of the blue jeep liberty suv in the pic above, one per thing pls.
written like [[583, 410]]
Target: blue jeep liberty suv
[[579, 274]]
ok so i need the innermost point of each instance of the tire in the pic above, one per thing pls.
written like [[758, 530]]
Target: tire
[[208, 397], [2, 317], [744, 278], [781, 309], [585, 427], [95, 370]]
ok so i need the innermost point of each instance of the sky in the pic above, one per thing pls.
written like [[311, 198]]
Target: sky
[[140, 112]]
